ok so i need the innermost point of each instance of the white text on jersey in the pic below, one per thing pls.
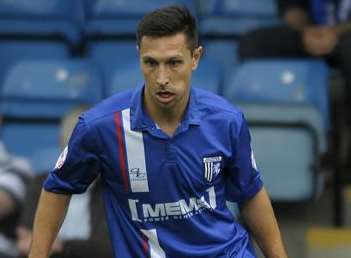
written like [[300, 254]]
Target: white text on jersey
[[172, 210]]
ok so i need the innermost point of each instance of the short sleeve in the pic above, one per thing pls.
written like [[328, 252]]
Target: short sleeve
[[244, 179], [78, 164]]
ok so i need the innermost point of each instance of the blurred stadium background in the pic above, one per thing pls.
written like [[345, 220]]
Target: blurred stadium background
[[56, 54]]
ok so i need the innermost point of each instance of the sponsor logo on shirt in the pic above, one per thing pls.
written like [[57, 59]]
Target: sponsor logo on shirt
[[137, 174], [212, 167], [181, 209], [62, 158]]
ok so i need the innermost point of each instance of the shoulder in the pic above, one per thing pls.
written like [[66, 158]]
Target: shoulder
[[99, 119], [107, 108]]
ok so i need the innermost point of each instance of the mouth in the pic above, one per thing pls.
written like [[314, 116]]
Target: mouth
[[165, 96]]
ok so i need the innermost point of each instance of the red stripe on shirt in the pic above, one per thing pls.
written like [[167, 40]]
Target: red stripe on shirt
[[121, 149], [145, 243]]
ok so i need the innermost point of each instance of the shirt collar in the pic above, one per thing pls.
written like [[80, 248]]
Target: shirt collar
[[140, 119]]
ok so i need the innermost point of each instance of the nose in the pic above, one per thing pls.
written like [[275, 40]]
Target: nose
[[162, 76]]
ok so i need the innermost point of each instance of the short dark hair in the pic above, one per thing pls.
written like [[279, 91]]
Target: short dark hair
[[169, 21]]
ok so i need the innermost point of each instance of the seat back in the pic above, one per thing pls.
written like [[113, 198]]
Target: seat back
[[27, 137], [108, 55], [232, 18], [286, 105], [54, 18], [124, 78], [224, 54], [208, 76], [300, 82], [289, 174], [14, 51], [113, 18], [132, 9], [49, 88], [252, 8], [288, 141]]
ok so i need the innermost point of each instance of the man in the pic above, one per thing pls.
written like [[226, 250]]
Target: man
[[169, 155], [311, 29], [83, 233], [315, 28], [15, 174]]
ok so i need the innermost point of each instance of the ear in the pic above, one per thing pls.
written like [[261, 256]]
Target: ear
[[197, 53]]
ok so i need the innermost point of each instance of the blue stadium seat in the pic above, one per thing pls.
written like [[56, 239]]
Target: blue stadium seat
[[35, 96], [252, 8], [224, 54], [49, 88], [235, 17], [38, 29], [111, 56], [123, 78], [13, 51], [284, 82], [32, 139], [49, 19], [120, 18], [207, 76], [106, 52], [288, 142], [286, 105], [44, 159]]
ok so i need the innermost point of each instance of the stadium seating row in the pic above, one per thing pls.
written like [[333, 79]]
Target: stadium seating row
[[70, 20], [62, 28], [60, 53], [285, 101]]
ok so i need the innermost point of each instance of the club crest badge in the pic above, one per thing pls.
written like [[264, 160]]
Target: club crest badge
[[212, 167]]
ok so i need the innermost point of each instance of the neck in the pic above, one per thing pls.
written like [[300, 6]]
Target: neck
[[167, 119]]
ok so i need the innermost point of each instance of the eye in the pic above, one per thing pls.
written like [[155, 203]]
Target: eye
[[175, 62], [150, 62]]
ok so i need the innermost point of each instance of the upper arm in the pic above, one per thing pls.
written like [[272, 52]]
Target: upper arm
[[244, 179], [78, 165]]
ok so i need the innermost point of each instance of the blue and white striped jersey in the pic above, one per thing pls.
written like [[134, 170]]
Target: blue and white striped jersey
[[164, 196]]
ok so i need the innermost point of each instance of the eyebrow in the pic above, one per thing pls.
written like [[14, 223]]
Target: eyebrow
[[169, 58], [148, 58]]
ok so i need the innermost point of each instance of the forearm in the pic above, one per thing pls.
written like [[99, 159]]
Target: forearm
[[259, 216], [47, 222]]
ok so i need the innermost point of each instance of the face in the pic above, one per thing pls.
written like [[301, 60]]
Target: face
[[167, 64]]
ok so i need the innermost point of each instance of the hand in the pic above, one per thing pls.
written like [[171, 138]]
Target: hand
[[24, 238], [319, 41]]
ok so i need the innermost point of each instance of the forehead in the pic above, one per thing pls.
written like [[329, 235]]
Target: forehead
[[168, 46]]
